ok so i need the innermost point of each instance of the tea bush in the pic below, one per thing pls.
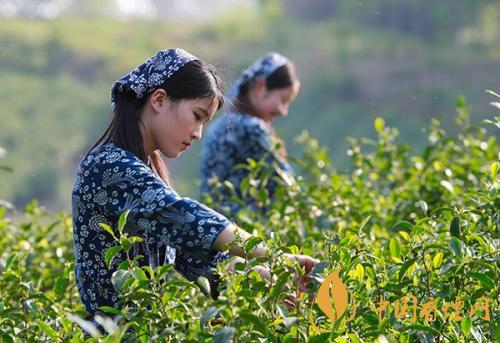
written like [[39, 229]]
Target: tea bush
[[413, 233]]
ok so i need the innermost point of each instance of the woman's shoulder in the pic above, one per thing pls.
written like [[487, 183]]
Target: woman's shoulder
[[109, 153], [108, 157], [111, 166]]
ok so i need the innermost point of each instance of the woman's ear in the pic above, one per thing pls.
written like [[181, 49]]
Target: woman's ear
[[158, 99], [259, 88]]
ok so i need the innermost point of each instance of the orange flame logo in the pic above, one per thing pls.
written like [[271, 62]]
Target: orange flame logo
[[332, 298]]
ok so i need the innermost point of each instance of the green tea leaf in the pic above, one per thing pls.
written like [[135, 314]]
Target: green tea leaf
[[448, 186], [150, 271], [483, 279], [466, 325], [257, 323], [282, 279], [461, 101], [48, 331], [395, 248], [139, 274], [360, 272], [118, 278], [111, 310], [455, 227], [403, 226], [437, 260], [289, 321], [494, 168], [244, 186], [62, 283], [86, 325], [252, 242], [204, 283], [321, 338], [122, 221], [208, 315], [125, 243], [363, 223], [423, 205], [492, 93], [110, 253], [405, 267], [108, 229], [456, 246], [379, 124]]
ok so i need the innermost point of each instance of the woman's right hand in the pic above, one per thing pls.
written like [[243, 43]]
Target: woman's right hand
[[305, 261]]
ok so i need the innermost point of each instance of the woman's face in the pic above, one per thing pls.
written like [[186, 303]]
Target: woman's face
[[269, 105], [177, 124]]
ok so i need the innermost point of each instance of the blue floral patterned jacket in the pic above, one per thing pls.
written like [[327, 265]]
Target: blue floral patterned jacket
[[231, 140], [175, 230]]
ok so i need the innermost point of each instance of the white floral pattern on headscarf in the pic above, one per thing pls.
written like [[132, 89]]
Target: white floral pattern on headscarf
[[260, 70], [152, 73]]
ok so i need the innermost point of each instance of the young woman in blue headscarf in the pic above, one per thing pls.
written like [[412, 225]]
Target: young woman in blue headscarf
[[159, 108], [263, 93]]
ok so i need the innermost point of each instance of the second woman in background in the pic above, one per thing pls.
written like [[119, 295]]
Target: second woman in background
[[262, 93]]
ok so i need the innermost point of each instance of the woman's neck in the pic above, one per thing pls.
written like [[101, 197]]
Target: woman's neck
[[147, 141]]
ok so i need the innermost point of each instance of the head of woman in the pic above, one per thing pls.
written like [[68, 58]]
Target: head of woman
[[268, 87], [162, 106]]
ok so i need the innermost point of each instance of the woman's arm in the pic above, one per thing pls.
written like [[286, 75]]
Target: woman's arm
[[231, 232]]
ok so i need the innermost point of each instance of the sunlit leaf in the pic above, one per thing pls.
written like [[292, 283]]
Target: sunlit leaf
[[448, 186], [379, 124], [204, 283], [395, 248], [86, 325], [122, 221], [48, 331], [108, 229], [466, 325], [437, 260], [493, 170], [118, 278]]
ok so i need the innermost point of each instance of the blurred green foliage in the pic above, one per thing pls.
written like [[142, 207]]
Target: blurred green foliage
[[356, 61]]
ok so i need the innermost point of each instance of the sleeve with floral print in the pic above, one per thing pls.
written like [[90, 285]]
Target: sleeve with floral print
[[261, 145], [156, 211]]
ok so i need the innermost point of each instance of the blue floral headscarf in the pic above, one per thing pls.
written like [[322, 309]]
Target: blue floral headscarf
[[260, 70], [152, 73]]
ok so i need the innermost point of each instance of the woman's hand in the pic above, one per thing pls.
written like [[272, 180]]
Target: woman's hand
[[300, 282], [232, 233], [305, 261]]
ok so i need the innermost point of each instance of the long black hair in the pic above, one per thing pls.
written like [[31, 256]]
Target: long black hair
[[196, 79]]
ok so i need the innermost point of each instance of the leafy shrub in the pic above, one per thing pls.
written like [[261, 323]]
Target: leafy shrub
[[399, 225]]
